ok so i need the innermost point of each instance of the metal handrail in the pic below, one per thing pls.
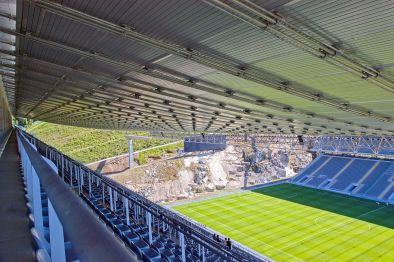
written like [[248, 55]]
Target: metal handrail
[[183, 224], [91, 240]]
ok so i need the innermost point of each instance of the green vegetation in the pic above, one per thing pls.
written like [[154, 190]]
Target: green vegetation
[[292, 223], [88, 145], [23, 122], [157, 152]]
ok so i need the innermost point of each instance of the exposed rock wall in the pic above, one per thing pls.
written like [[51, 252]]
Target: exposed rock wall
[[237, 166]]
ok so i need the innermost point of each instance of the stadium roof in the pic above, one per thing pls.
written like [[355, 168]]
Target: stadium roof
[[300, 66]]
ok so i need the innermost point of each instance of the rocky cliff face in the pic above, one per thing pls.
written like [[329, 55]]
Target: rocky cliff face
[[237, 166]]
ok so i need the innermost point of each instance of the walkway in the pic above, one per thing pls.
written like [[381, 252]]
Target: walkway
[[15, 237]]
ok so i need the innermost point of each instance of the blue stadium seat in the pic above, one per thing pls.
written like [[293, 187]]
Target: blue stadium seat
[[357, 169], [167, 254], [362, 177], [122, 229], [131, 237], [139, 247], [151, 255]]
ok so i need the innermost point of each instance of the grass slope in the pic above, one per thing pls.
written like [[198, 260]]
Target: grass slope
[[293, 223], [88, 145]]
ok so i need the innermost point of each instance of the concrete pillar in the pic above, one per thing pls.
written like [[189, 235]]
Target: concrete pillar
[[131, 153]]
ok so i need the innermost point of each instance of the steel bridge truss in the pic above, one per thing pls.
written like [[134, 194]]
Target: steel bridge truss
[[374, 146], [370, 146]]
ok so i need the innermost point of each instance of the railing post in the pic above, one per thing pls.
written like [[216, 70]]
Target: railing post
[[71, 174], [111, 203], [103, 194], [149, 222], [158, 225], [182, 244], [27, 169], [63, 167], [115, 200], [81, 177], [37, 202], [90, 184], [127, 211], [58, 253]]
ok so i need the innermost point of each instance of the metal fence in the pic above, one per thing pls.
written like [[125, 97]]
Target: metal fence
[[194, 235], [65, 215]]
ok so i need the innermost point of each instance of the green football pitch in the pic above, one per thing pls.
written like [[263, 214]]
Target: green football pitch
[[292, 223]]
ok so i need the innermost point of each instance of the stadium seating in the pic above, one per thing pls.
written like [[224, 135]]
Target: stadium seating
[[164, 247], [42, 241], [352, 174], [318, 162], [361, 177]]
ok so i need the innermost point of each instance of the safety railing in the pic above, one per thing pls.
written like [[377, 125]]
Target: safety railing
[[64, 226], [194, 240]]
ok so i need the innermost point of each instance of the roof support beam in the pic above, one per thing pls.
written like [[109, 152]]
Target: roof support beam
[[124, 87], [216, 62], [278, 26], [123, 105], [252, 116], [174, 79]]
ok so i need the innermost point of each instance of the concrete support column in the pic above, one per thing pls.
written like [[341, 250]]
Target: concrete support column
[[131, 153]]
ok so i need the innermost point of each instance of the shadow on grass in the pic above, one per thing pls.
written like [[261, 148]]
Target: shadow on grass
[[353, 207]]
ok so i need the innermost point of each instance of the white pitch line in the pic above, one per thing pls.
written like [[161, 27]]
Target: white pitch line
[[312, 236], [317, 219], [248, 236]]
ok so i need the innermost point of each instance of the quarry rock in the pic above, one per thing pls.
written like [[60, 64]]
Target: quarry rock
[[188, 176], [210, 187]]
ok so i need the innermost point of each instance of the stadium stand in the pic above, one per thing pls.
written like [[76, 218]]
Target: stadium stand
[[361, 177], [149, 230]]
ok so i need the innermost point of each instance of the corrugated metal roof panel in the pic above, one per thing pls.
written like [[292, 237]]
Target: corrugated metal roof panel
[[193, 49]]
